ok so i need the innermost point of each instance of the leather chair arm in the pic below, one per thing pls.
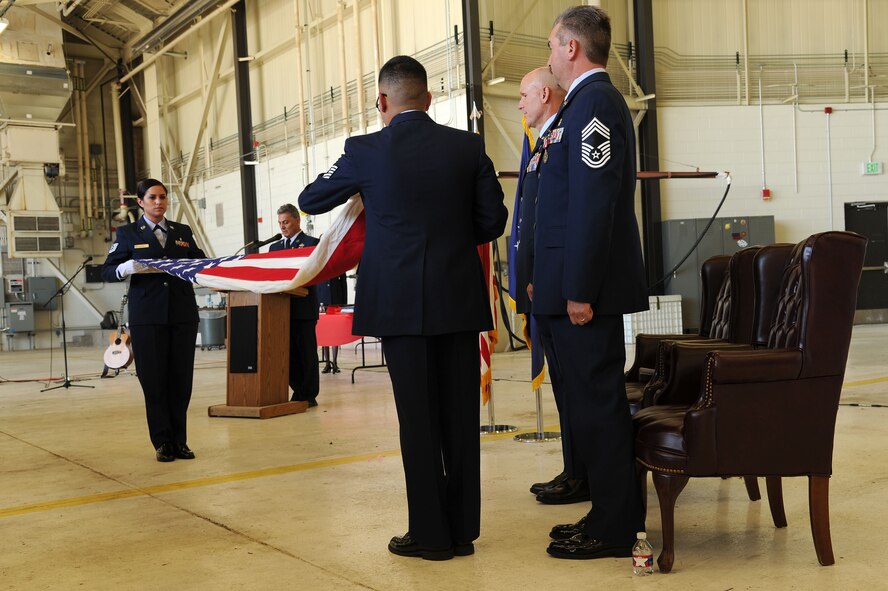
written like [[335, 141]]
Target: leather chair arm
[[646, 352], [761, 365], [684, 370]]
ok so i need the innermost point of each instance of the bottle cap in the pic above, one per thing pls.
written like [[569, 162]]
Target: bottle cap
[[642, 535]]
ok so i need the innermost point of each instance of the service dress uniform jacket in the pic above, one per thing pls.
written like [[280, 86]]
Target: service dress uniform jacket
[[163, 324], [430, 198], [304, 371], [587, 249]]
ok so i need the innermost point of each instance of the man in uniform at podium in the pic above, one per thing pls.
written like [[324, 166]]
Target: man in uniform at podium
[[304, 371], [430, 197]]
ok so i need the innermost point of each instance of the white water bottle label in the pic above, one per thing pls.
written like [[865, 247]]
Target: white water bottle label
[[643, 560]]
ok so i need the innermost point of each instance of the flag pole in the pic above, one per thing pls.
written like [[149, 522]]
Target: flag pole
[[491, 426], [540, 435]]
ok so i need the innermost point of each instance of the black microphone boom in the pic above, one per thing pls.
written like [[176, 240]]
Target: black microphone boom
[[266, 241], [258, 243]]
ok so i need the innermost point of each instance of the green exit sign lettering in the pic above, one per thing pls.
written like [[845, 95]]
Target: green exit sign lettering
[[872, 168]]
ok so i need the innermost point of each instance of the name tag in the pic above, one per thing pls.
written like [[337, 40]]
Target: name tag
[[534, 163], [141, 246]]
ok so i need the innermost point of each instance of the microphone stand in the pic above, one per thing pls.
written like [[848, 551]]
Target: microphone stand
[[61, 295]]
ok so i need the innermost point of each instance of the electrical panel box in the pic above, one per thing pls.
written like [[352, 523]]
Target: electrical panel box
[[20, 316], [15, 284], [727, 235], [870, 220], [40, 290]]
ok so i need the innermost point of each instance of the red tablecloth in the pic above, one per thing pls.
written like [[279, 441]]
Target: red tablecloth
[[335, 330]]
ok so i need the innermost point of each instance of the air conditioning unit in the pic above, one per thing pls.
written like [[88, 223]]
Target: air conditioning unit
[[34, 234]]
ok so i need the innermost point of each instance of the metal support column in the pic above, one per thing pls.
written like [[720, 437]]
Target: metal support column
[[648, 145], [472, 47], [244, 122]]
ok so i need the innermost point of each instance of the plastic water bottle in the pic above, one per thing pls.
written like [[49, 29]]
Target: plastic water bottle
[[642, 557]]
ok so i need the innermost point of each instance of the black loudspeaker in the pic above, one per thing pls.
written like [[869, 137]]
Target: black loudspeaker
[[94, 274], [244, 340]]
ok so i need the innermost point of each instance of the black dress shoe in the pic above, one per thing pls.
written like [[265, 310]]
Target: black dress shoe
[[568, 530], [538, 487], [406, 546], [569, 491], [166, 452], [181, 451], [583, 547], [463, 549], [312, 402]]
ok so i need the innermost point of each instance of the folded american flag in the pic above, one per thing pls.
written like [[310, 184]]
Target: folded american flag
[[339, 251]]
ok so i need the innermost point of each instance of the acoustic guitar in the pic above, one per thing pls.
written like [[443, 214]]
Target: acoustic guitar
[[118, 355]]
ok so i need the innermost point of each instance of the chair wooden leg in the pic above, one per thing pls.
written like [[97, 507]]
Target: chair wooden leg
[[668, 486], [752, 488], [775, 499], [641, 473], [818, 505]]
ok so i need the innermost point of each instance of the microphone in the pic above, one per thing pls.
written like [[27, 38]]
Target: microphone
[[259, 243], [88, 259]]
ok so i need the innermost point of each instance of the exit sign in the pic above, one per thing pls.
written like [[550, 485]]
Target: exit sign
[[872, 168]]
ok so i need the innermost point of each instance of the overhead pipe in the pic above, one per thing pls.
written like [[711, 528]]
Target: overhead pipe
[[343, 83], [745, 16], [359, 67], [168, 46], [866, 86], [311, 113]]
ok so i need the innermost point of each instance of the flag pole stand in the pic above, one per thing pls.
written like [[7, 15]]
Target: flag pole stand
[[539, 436], [491, 426]]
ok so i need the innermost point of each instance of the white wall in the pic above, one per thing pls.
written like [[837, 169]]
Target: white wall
[[729, 138]]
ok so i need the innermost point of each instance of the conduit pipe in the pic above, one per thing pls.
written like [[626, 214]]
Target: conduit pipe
[[75, 97], [118, 135], [359, 67], [343, 81], [85, 139], [829, 181], [300, 90], [866, 85], [374, 18]]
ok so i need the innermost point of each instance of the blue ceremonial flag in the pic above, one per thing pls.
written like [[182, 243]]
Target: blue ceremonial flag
[[516, 214], [531, 334]]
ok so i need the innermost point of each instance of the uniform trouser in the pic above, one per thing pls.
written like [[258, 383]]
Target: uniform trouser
[[590, 359], [436, 382], [304, 371], [164, 355], [572, 465]]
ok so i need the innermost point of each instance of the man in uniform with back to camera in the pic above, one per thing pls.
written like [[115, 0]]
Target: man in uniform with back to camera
[[304, 371], [540, 99], [162, 317], [430, 197], [588, 272]]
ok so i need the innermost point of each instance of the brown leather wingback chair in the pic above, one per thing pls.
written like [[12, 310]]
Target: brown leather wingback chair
[[712, 275], [769, 412]]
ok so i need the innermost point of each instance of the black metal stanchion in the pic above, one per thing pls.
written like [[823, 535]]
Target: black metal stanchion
[[491, 426], [539, 436], [61, 295]]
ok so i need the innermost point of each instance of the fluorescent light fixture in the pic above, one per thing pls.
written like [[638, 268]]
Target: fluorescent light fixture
[[3, 24], [493, 81], [251, 162]]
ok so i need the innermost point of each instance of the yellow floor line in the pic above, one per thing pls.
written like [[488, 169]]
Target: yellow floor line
[[210, 481], [865, 382]]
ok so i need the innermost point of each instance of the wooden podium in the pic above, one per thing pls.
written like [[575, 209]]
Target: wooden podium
[[258, 364]]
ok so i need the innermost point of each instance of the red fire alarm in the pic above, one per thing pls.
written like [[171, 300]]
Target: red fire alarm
[[766, 194], [827, 110]]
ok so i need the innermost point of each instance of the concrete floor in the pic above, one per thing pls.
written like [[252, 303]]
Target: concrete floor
[[310, 501]]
